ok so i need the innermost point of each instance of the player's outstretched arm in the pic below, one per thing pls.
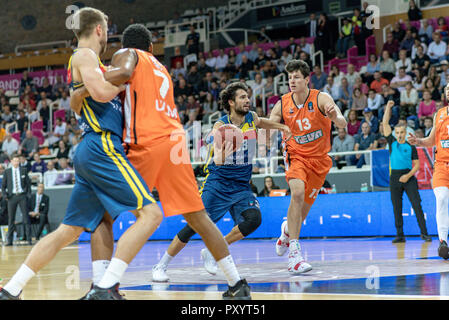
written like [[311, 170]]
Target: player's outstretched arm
[[270, 124], [327, 106], [427, 142], [387, 117], [86, 62]]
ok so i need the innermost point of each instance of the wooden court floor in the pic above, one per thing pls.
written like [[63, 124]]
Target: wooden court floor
[[343, 269]]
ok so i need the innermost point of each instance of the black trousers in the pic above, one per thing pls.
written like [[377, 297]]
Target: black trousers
[[42, 220], [411, 189], [13, 202]]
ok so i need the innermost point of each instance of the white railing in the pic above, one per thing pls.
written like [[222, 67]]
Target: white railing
[[245, 31], [176, 34], [40, 45], [280, 81], [321, 55], [384, 32]]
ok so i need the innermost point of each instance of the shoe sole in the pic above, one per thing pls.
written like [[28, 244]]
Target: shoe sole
[[203, 253], [443, 252], [300, 272]]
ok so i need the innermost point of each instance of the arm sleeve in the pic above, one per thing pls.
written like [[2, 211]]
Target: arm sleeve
[[414, 153]]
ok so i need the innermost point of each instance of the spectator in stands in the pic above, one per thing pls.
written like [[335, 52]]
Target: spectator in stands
[[222, 61], [389, 93], [437, 49], [342, 142], [277, 49], [75, 143], [193, 108], [242, 51], [378, 82], [58, 132], [58, 86], [353, 123], [62, 151], [73, 128], [416, 44], [409, 99], [332, 88], [10, 145], [193, 41], [403, 61], [428, 125], [64, 102], [284, 59], [399, 81], [25, 81], [269, 185], [434, 92], [407, 42], [387, 66], [50, 175], [22, 120], [303, 45], [359, 100], [7, 115], [357, 22], [43, 97], [442, 27], [432, 75], [63, 176], [39, 165], [269, 87], [374, 100], [372, 67], [361, 85], [398, 32], [425, 31], [312, 26], [391, 45], [181, 89], [322, 40], [414, 13], [351, 75], [373, 121], [179, 70], [318, 78], [23, 163], [336, 74], [245, 68], [421, 61], [366, 140], [193, 78], [262, 36], [203, 68], [345, 95], [257, 85], [268, 70], [344, 38], [253, 54], [46, 87], [272, 56], [306, 58], [112, 28], [261, 58], [427, 107], [210, 106], [292, 46], [29, 145]]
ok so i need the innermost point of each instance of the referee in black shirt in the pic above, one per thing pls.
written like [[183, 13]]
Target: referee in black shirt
[[404, 164]]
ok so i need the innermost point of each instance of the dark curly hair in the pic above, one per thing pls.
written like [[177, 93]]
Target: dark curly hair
[[298, 65], [229, 94], [137, 36]]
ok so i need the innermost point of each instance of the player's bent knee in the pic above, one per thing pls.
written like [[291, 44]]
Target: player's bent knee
[[68, 233], [185, 234], [150, 212], [297, 195], [253, 219]]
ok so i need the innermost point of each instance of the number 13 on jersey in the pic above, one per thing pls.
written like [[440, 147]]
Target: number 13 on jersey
[[303, 124]]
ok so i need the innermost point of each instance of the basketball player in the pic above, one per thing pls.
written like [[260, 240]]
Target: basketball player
[[226, 187], [439, 136], [155, 143], [105, 180], [309, 113]]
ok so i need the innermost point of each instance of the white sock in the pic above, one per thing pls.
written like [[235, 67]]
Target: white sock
[[442, 198], [99, 268], [165, 259], [113, 274], [19, 280], [294, 245], [229, 269]]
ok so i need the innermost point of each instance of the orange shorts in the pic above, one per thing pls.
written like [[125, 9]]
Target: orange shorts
[[312, 171], [440, 174], [166, 166]]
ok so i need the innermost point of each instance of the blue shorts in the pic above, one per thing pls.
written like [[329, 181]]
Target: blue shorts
[[218, 199], [105, 181]]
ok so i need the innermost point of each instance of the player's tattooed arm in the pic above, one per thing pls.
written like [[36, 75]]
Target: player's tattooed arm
[[265, 123], [328, 107]]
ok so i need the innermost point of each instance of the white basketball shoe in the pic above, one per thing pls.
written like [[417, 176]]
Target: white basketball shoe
[[209, 262], [159, 273], [283, 241], [296, 263]]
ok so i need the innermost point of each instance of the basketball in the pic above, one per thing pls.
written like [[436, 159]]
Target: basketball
[[229, 132]]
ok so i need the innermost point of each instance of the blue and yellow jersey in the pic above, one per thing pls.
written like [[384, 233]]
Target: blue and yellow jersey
[[238, 166], [95, 116]]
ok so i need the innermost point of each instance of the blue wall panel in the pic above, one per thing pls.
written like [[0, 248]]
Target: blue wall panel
[[332, 215]]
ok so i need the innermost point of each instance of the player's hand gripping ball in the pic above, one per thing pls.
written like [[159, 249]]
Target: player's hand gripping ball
[[231, 134]]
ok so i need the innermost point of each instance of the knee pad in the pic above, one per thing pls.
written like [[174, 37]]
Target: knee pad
[[185, 234], [253, 219]]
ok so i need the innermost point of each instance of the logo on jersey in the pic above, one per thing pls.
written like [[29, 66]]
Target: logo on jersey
[[291, 111], [445, 144], [310, 137], [310, 107]]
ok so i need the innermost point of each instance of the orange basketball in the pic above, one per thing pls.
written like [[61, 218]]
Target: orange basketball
[[231, 133]]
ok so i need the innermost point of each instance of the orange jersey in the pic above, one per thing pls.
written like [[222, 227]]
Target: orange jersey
[[310, 128], [442, 135], [149, 107]]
